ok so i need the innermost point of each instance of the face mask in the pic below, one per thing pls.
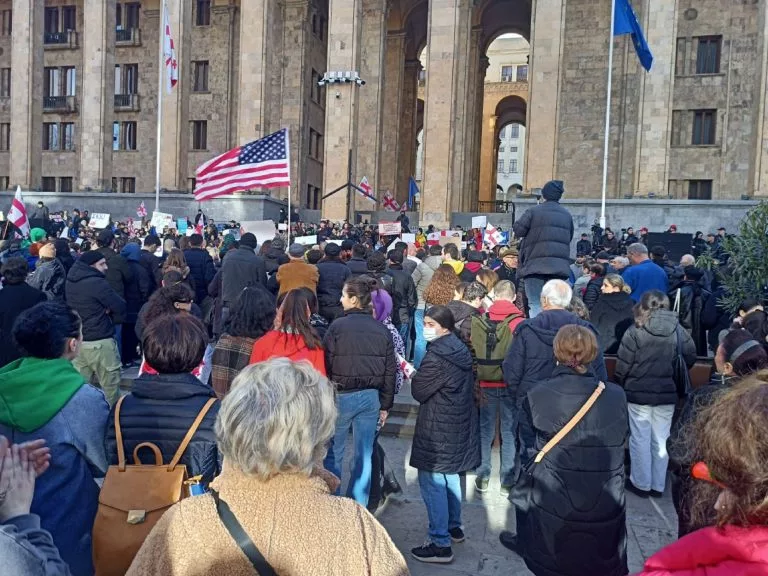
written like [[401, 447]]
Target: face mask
[[431, 334]]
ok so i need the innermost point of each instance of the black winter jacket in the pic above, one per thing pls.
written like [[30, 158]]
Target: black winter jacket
[[273, 259], [692, 300], [575, 524], [14, 299], [592, 292], [160, 409], [403, 292], [118, 274], [360, 355], [333, 275], [151, 264], [49, 277], [715, 318], [645, 363], [136, 291], [201, 269], [240, 269], [612, 316], [547, 231], [583, 248], [530, 358], [88, 292], [358, 266], [447, 435], [462, 317]]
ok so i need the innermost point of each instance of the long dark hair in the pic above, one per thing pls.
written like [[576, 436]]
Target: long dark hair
[[295, 312], [362, 287], [162, 301], [253, 314], [43, 330]]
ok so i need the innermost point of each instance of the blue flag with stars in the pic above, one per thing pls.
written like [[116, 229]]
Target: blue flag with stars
[[625, 22]]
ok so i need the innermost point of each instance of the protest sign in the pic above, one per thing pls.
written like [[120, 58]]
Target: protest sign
[[282, 227], [181, 225], [390, 228], [407, 237], [479, 221], [99, 220], [306, 240], [161, 220], [263, 229]]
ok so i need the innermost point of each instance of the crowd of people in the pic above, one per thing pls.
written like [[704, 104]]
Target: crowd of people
[[257, 361]]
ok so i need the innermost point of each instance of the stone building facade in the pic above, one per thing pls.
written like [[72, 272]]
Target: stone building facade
[[79, 96]]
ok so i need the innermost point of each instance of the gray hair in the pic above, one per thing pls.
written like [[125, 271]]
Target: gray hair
[[621, 260], [505, 290], [687, 260], [277, 418], [557, 294], [637, 248]]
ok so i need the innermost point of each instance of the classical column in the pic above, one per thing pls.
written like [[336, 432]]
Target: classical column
[[26, 94], [488, 162], [660, 23], [479, 125], [759, 176], [468, 190], [547, 27], [371, 99], [448, 39], [96, 101], [294, 90], [341, 131], [394, 63], [406, 161]]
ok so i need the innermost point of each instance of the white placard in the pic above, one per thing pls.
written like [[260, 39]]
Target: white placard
[[392, 245], [162, 220], [79, 241], [282, 226], [263, 230], [390, 228], [479, 221], [99, 220], [306, 240], [409, 238], [65, 232], [337, 242]]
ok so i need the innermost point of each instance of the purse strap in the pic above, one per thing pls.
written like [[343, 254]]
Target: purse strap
[[119, 436], [241, 538], [191, 433], [571, 423]]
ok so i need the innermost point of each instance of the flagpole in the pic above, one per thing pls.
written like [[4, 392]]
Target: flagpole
[[288, 157], [607, 116], [161, 45]]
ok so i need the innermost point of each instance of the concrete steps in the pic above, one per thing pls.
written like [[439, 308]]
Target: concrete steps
[[401, 422]]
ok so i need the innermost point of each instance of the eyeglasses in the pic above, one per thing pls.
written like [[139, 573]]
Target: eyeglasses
[[700, 471]]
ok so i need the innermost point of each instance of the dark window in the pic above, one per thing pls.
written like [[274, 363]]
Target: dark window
[[65, 184], [191, 183], [67, 130], [199, 135], [5, 136], [5, 82], [51, 20], [203, 13], [114, 185], [313, 197], [128, 185], [704, 127], [5, 182], [708, 55], [314, 24], [522, 73], [131, 15], [506, 73], [50, 136], [6, 21], [315, 145], [124, 136], [200, 76], [126, 79], [69, 18], [700, 190], [513, 166], [49, 184], [321, 28]]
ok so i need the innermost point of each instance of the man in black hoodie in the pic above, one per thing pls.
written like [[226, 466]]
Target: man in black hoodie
[[89, 293], [358, 264], [403, 296]]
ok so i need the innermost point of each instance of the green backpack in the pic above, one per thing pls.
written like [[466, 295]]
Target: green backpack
[[491, 340]]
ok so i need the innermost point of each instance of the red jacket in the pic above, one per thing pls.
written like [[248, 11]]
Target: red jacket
[[275, 344], [499, 310], [731, 551]]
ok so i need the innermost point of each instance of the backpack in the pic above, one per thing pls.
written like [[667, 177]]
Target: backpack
[[134, 497], [491, 340]]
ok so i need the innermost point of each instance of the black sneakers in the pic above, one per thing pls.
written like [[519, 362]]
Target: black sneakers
[[635, 490], [481, 485], [457, 535], [509, 541], [433, 554]]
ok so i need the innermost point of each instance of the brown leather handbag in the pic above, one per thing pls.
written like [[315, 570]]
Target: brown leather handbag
[[133, 499]]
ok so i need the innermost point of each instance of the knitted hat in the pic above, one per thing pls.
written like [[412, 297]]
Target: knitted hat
[[90, 258], [37, 234]]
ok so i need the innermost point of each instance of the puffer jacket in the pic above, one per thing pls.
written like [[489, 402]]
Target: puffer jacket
[[447, 435], [693, 298], [612, 316], [715, 318], [530, 359], [592, 291], [547, 231], [645, 362], [333, 275], [118, 274], [422, 276], [49, 277], [201, 269], [403, 292], [160, 409], [137, 290], [359, 355], [358, 266], [575, 524], [462, 317], [273, 259], [89, 293]]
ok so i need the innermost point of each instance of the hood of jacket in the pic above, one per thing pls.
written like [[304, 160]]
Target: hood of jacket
[[616, 301], [433, 262], [662, 323], [452, 349], [546, 324], [81, 271], [457, 265], [460, 310], [34, 390], [500, 309], [170, 387], [131, 252], [473, 266]]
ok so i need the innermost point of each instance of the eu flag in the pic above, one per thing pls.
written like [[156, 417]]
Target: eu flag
[[413, 189], [625, 22]]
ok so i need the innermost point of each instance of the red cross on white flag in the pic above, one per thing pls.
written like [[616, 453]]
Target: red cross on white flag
[[492, 236], [18, 213], [390, 203], [169, 54]]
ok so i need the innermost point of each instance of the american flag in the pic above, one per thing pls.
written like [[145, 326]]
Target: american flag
[[259, 164]]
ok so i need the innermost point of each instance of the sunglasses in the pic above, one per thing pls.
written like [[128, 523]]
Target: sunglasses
[[700, 471]]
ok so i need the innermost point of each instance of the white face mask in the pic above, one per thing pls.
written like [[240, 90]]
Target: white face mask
[[431, 334]]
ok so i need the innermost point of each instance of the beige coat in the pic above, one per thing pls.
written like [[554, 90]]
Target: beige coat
[[299, 527]]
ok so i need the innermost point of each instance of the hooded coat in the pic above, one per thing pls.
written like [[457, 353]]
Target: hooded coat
[[447, 434], [138, 287], [693, 298], [202, 270], [49, 277], [575, 523], [89, 293], [14, 299], [645, 362], [612, 316], [63, 254], [422, 276], [547, 231]]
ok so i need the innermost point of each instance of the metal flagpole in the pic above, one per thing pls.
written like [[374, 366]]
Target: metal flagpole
[[288, 157], [160, 88], [607, 116]]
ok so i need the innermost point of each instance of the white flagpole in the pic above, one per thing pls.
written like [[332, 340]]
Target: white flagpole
[[607, 116], [288, 157], [160, 88]]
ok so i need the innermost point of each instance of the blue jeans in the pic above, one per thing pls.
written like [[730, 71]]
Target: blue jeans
[[533, 288], [498, 401], [405, 334], [442, 497], [420, 348], [360, 410]]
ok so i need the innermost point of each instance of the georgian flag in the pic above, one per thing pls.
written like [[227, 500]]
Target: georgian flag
[[390, 204], [18, 213], [492, 236], [142, 210], [367, 190], [169, 54]]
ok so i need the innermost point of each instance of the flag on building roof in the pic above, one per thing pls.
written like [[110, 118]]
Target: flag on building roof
[[389, 202], [625, 22], [492, 236], [260, 164], [169, 53], [367, 190], [18, 213], [141, 212]]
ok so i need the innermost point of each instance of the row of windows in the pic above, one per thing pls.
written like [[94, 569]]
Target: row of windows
[[124, 185], [700, 124], [508, 73], [510, 131], [513, 167], [512, 149], [58, 19], [708, 50], [695, 189]]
